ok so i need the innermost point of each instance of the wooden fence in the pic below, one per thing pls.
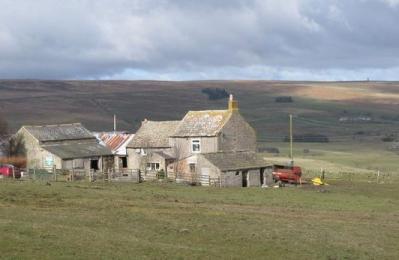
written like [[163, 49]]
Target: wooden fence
[[124, 175], [380, 177]]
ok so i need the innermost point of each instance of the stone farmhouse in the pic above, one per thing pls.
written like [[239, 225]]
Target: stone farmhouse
[[211, 147], [64, 146], [150, 150]]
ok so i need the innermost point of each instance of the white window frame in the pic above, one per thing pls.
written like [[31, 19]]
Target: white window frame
[[197, 142], [148, 167], [153, 166]]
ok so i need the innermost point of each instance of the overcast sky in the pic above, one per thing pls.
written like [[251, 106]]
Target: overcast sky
[[200, 39]]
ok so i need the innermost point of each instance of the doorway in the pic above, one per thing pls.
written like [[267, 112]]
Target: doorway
[[94, 165], [245, 178], [123, 162], [262, 176]]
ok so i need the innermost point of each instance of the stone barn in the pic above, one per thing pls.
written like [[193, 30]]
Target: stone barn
[[234, 169], [64, 146]]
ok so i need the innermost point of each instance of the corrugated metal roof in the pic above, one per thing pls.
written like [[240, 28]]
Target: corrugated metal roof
[[114, 140], [61, 132], [231, 161], [202, 123], [154, 134], [79, 150]]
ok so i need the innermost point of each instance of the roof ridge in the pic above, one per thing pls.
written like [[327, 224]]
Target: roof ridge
[[209, 110], [53, 125]]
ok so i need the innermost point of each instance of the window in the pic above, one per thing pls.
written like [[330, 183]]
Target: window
[[192, 167], [195, 146], [153, 166]]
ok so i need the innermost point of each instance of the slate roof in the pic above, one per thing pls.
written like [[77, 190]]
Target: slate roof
[[202, 123], [78, 150], [231, 161], [154, 134], [62, 132], [166, 155]]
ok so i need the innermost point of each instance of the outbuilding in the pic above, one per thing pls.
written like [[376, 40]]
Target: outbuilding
[[64, 146], [234, 169]]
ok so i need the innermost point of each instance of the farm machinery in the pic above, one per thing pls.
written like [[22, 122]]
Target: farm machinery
[[287, 174]]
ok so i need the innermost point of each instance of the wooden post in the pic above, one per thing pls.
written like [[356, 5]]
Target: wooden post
[[55, 173], [291, 155], [378, 176]]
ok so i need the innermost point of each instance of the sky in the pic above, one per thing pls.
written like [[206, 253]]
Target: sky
[[200, 40]]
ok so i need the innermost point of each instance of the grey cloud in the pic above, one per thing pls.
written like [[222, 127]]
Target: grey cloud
[[198, 39]]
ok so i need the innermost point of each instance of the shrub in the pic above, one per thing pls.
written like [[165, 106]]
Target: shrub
[[388, 138], [19, 162], [161, 174], [308, 138], [273, 150], [215, 93], [284, 99]]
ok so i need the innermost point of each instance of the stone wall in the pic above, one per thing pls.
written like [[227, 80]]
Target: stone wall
[[231, 179], [182, 145], [237, 135]]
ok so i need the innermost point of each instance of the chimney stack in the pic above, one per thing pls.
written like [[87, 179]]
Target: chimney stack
[[233, 104]]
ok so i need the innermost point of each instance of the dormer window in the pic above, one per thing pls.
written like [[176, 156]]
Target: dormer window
[[195, 145]]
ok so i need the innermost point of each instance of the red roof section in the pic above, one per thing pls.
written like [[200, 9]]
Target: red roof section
[[114, 140]]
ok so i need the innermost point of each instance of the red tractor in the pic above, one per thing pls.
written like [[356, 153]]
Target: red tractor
[[287, 174]]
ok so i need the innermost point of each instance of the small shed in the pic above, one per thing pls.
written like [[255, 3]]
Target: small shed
[[234, 169]]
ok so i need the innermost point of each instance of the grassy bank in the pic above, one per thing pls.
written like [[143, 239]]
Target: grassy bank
[[160, 220]]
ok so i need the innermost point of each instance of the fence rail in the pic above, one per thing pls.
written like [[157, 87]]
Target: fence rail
[[124, 175]]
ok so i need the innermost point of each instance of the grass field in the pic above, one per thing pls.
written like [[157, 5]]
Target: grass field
[[359, 160], [164, 220]]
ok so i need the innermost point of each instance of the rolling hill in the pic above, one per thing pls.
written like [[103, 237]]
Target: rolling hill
[[342, 111]]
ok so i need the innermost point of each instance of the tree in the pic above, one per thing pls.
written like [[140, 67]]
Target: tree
[[10, 146], [178, 154], [4, 135], [16, 146]]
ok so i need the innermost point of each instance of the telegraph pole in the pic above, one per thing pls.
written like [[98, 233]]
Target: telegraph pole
[[114, 123], [291, 155]]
